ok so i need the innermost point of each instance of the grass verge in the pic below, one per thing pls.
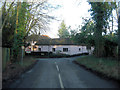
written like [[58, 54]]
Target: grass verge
[[107, 67]]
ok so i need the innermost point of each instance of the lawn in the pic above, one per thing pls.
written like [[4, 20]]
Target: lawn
[[107, 66]]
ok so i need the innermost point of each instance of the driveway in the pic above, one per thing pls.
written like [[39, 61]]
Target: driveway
[[60, 73]]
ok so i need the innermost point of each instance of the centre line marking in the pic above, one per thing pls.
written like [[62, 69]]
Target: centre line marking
[[57, 68], [55, 62], [60, 80], [61, 84]]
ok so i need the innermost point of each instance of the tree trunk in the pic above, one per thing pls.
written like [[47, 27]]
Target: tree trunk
[[99, 42], [119, 31], [119, 38], [16, 47], [112, 22]]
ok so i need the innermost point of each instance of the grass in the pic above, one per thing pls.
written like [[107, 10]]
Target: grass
[[107, 66]]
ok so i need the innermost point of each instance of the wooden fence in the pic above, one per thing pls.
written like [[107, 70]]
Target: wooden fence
[[5, 57]]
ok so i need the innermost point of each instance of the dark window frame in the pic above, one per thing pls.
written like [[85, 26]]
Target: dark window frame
[[65, 49], [39, 49], [53, 49]]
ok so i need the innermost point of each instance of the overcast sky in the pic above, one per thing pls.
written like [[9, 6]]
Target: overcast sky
[[71, 11]]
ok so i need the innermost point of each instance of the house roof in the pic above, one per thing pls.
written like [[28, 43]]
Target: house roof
[[55, 41], [46, 40]]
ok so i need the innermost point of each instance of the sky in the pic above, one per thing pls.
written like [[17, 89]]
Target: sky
[[71, 11]]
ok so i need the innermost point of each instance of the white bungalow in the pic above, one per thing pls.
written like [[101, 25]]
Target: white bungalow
[[64, 49], [64, 46]]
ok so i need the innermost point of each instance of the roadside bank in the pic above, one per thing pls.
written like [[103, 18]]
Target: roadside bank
[[107, 68]]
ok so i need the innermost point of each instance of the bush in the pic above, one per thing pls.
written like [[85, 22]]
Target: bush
[[58, 55]]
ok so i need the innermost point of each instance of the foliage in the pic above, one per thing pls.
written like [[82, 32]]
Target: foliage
[[110, 38], [85, 35], [32, 37], [88, 27], [63, 31], [21, 19], [19, 33], [91, 33], [100, 12], [58, 55], [83, 38], [9, 26]]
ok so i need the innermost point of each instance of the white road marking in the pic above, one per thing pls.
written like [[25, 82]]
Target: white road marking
[[60, 80], [55, 63], [29, 71], [57, 68], [61, 84]]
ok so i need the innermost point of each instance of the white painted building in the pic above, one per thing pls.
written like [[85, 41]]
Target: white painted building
[[59, 45], [64, 49]]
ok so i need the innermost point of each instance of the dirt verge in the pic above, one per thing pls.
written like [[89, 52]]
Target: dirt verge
[[13, 72]]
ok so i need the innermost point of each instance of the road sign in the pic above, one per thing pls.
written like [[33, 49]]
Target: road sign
[[22, 47], [28, 50]]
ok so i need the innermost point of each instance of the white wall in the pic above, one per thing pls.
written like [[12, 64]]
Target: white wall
[[72, 49]]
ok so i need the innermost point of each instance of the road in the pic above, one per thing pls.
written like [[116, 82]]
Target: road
[[60, 73]]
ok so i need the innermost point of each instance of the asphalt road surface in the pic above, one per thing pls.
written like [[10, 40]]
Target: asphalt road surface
[[60, 73]]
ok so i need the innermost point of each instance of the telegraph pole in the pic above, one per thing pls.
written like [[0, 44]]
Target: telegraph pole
[[119, 30]]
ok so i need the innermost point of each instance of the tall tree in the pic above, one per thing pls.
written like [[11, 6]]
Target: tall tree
[[20, 27], [6, 13], [100, 12], [19, 19], [8, 24], [63, 31], [119, 33]]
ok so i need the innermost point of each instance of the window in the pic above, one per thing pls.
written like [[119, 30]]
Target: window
[[79, 49], [39, 49], [34, 47], [53, 49], [65, 49], [88, 47]]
